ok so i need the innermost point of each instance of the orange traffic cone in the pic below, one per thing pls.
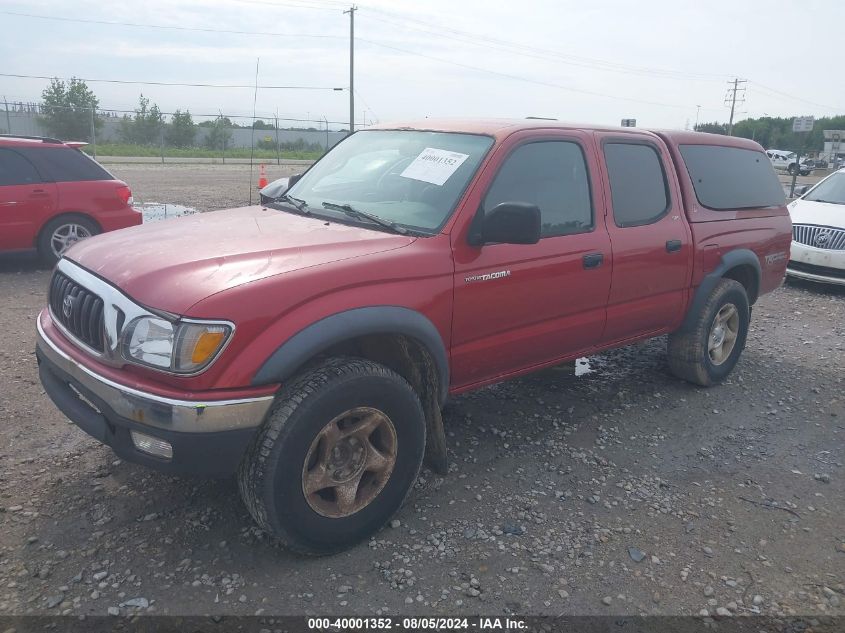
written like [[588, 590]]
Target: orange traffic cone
[[262, 177]]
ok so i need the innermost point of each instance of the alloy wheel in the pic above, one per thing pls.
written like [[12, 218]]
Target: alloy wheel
[[723, 334], [67, 235], [349, 462]]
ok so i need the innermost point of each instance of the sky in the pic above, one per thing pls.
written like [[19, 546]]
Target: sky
[[664, 63]]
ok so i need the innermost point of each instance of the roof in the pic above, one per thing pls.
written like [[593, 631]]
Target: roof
[[30, 141], [498, 128], [686, 137]]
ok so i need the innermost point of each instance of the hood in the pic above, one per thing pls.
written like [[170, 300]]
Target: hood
[[822, 213], [173, 264]]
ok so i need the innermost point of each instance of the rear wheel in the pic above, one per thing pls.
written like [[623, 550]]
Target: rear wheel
[[61, 233], [707, 352], [337, 456], [792, 169]]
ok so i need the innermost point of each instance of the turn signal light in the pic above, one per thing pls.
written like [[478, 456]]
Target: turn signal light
[[207, 344]]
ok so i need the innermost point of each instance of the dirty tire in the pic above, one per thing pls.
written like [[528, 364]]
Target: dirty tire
[[45, 238], [271, 474], [689, 356]]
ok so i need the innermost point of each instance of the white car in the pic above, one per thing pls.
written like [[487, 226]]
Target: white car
[[818, 232], [787, 161]]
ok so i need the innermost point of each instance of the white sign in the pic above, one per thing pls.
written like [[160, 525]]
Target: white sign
[[434, 165], [803, 124]]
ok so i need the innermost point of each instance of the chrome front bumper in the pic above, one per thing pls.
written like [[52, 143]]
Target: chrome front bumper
[[181, 416], [802, 274], [816, 264]]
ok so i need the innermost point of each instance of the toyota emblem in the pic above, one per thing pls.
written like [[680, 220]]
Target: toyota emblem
[[67, 306], [822, 238]]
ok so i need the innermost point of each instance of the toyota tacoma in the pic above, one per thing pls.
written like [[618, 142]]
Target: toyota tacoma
[[308, 344]]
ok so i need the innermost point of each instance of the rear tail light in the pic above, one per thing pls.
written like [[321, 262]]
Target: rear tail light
[[125, 194]]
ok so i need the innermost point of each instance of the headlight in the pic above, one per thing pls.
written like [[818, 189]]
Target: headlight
[[182, 347]]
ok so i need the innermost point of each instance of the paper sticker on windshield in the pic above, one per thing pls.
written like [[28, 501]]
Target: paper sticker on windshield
[[434, 165]]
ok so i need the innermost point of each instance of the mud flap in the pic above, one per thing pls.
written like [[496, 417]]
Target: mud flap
[[436, 455]]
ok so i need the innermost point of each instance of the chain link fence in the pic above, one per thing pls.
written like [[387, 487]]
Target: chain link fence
[[220, 136]]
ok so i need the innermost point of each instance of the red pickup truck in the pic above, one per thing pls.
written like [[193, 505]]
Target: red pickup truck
[[308, 343]]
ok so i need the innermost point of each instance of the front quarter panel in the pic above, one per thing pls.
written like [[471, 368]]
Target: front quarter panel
[[271, 311]]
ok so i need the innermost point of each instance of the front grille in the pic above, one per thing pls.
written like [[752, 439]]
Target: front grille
[[824, 271], [824, 237], [78, 309]]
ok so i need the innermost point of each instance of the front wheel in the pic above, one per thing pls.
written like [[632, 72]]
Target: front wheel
[[336, 457], [706, 353]]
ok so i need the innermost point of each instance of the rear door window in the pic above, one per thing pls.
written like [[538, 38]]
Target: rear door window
[[16, 170], [637, 183], [64, 164], [727, 178]]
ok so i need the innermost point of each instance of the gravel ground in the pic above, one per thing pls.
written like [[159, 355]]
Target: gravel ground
[[619, 491]]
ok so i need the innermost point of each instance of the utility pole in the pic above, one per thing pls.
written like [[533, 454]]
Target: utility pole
[[697, 112], [351, 13], [8, 121], [735, 87], [278, 158], [93, 133], [327, 132]]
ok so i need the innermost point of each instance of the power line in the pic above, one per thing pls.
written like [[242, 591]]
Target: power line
[[147, 25], [305, 4], [503, 45], [170, 83], [456, 34], [765, 89], [369, 107], [524, 79], [541, 53], [215, 115]]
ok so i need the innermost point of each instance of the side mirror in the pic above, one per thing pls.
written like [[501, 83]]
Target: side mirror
[[508, 223], [277, 188]]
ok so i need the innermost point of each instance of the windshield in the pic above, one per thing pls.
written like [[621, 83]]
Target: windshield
[[831, 189], [413, 179]]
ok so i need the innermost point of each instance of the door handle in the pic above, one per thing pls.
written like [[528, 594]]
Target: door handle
[[39, 193], [673, 246], [593, 260]]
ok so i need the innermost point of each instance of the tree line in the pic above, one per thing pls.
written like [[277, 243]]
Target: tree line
[[69, 110], [776, 132]]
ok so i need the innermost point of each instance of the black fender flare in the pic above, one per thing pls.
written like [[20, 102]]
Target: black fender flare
[[342, 326], [731, 259]]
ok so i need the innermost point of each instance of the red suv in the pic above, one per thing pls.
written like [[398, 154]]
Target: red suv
[[309, 343], [53, 195]]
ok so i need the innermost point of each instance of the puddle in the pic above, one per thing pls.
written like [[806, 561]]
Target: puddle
[[582, 367], [155, 211]]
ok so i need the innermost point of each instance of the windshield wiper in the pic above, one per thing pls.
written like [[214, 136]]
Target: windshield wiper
[[297, 203], [826, 201], [356, 213]]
